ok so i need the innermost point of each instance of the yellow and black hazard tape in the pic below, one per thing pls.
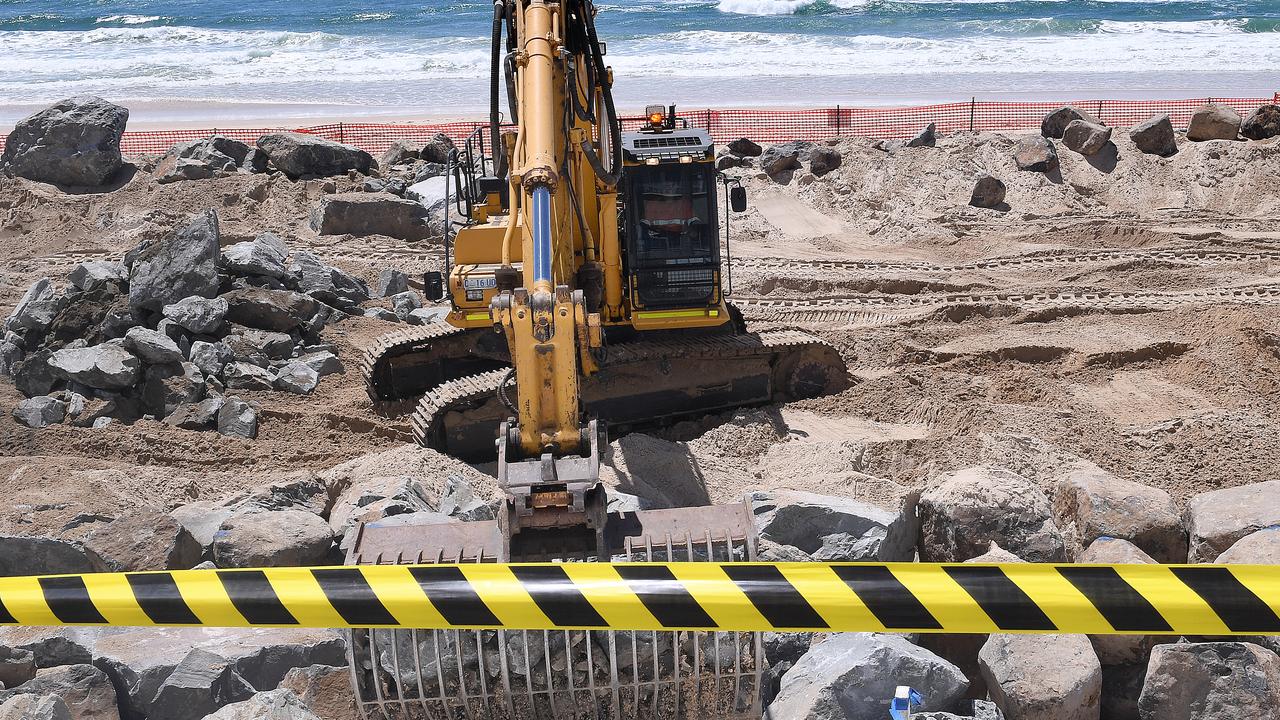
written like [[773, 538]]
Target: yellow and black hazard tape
[[903, 597]]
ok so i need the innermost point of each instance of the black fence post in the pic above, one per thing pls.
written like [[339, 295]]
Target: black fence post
[[973, 105], [838, 126], [342, 137]]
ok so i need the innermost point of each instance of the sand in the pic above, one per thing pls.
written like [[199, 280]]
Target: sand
[[1120, 314]]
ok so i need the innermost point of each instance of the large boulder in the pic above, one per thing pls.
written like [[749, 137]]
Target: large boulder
[[36, 309], [1217, 519], [276, 310], [197, 416], [437, 149], [298, 154], [1054, 125], [1090, 503], [75, 142], [196, 314], [854, 675], [203, 682], [1155, 136], [196, 160], [178, 266], [963, 512], [988, 191], [1085, 137], [20, 555], [40, 411], [326, 283], [1036, 154], [1213, 122], [238, 418], [325, 690], [1211, 681], [1262, 123], [94, 273], [279, 704], [263, 256], [28, 706], [144, 539], [370, 214], [272, 539], [927, 137], [17, 666], [1259, 548], [152, 346], [86, 690], [1119, 649], [106, 367], [297, 378], [165, 387], [835, 529], [823, 160], [744, 147], [84, 316], [1049, 677]]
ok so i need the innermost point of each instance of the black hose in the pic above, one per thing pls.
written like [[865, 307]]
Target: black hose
[[495, 130], [610, 175], [502, 392]]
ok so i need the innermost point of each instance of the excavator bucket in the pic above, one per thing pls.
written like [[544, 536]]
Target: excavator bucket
[[558, 673]]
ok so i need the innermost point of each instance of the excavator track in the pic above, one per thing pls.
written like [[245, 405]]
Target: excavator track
[[404, 364], [680, 377]]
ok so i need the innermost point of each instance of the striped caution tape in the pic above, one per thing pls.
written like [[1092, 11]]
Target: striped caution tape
[[904, 597]]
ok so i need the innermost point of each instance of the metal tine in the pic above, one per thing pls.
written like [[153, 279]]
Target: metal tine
[[374, 666], [675, 646], [462, 672], [528, 674], [657, 684], [444, 693], [568, 666], [551, 684], [613, 675], [395, 665], [711, 557], [695, 636], [417, 670], [591, 666], [505, 671], [737, 636], [484, 680]]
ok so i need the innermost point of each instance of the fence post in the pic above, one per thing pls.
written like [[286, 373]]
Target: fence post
[[342, 137], [1104, 122], [838, 128], [973, 104]]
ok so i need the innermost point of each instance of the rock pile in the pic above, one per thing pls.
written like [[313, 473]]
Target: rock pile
[[175, 331]]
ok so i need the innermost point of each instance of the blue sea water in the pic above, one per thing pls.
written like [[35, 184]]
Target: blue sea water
[[232, 58]]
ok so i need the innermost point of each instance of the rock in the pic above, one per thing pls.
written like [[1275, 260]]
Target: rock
[[40, 411], [726, 160], [780, 160], [437, 149], [56, 651], [963, 512], [325, 690], [1042, 676], [927, 137], [297, 378], [168, 386], [1155, 136], [823, 160], [16, 666], [296, 155], [195, 160], [10, 355], [245, 376], [401, 151], [278, 310], [405, 303], [392, 282], [1090, 503], [94, 273], [210, 358], [1213, 122], [323, 363], [238, 419], [834, 529], [1055, 123], [260, 256], [853, 675], [1217, 519], [202, 519], [1119, 649], [201, 415], [1036, 154], [152, 346], [1211, 681], [33, 375], [34, 707], [144, 540], [20, 555], [106, 367], [1259, 548], [82, 317], [328, 284], [176, 267], [459, 500], [742, 147], [1085, 137], [1262, 123], [377, 497], [363, 214], [246, 343], [383, 314], [272, 539], [198, 686], [86, 690], [988, 191], [74, 142], [277, 704], [36, 309]]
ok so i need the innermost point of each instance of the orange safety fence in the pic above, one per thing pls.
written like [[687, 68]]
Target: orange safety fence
[[765, 126]]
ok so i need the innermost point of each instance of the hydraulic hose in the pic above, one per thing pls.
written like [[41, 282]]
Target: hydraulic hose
[[495, 137]]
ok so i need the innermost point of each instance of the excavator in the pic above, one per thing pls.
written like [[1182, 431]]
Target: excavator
[[587, 296]]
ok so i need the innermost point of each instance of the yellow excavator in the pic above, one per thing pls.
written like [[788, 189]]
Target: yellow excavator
[[586, 285]]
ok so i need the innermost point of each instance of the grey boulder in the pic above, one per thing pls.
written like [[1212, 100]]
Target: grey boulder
[[278, 704], [1085, 137], [1054, 125], [238, 418], [197, 687], [988, 191], [823, 160], [392, 282], [1155, 136], [201, 415], [275, 310], [264, 255], [1217, 519], [1213, 122], [196, 314], [1090, 503], [437, 149], [743, 147], [34, 707], [405, 303], [1119, 649], [86, 690], [75, 142], [1036, 154], [22, 555], [166, 387], [272, 539], [364, 214], [927, 137], [298, 154], [194, 160], [1262, 123], [854, 675], [152, 346], [322, 362], [459, 500], [832, 529], [211, 357], [40, 411], [963, 512], [17, 666], [1043, 676], [178, 266], [297, 378], [36, 309], [326, 283], [247, 376], [1211, 681], [1259, 548], [106, 367], [94, 273]]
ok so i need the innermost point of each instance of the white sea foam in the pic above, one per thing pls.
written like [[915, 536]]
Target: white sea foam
[[129, 19]]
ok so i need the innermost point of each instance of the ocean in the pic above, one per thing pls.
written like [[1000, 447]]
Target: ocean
[[233, 61]]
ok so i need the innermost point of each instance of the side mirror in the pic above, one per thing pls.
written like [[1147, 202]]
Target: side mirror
[[738, 198], [433, 285]]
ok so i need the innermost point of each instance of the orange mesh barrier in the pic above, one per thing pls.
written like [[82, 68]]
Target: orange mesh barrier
[[765, 126]]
